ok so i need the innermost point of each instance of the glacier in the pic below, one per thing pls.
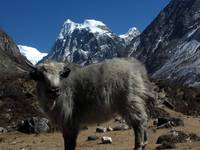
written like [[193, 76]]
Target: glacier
[[32, 54]]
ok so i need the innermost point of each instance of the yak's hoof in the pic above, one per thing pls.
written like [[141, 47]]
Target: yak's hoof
[[144, 145], [141, 146], [138, 148]]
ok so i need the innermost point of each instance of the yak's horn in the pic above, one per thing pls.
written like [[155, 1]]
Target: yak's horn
[[30, 65]]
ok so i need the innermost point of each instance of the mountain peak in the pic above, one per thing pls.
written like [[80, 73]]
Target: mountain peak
[[91, 25], [68, 21], [131, 32], [130, 35], [84, 43]]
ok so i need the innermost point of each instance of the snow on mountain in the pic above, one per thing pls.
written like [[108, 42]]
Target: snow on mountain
[[183, 65], [130, 35], [93, 26], [32, 54], [85, 43]]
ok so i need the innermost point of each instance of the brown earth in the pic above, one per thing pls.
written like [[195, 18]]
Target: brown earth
[[122, 140]]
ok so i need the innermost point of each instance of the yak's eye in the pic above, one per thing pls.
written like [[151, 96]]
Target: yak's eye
[[65, 72]]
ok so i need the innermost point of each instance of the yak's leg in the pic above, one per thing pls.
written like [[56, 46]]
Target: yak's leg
[[145, 137], [135, 115], [140, 136], [70, 136]]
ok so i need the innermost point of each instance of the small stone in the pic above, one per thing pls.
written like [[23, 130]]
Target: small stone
[[8, 116], [3, 130], [106, 140], [109, 129], [121, 127], [101, 129], [13, 143], [92, 138], [118, 119]]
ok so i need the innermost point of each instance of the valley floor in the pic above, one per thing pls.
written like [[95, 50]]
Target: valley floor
[[122, 140]]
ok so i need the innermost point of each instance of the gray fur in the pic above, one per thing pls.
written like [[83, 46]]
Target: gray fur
[[96, 93]]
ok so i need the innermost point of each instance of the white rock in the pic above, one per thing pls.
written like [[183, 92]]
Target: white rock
[[3, 130], [109, 129], [101, 129], [106, 140], [121, 127]]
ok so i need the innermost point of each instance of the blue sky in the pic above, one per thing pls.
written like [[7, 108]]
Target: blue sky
[[37, 23]]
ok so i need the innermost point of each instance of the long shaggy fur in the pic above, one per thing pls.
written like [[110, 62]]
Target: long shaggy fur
[[96, 93]]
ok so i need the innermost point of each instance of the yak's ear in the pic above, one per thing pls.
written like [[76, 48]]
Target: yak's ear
[[34, 75], [65, 72]]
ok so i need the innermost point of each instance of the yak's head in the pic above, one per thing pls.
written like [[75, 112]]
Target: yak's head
[[49, 74]]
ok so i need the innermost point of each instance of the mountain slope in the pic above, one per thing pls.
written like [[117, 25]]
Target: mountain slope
[[32, 54], [89, 42], [169, 46], [17, 95], [11, 59]]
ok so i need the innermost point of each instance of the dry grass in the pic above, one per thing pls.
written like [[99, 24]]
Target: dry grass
[[122, 140]]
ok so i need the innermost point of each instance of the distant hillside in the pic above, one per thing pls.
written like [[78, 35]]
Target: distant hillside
[[170, 45]]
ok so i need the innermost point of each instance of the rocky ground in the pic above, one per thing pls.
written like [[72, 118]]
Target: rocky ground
[[122, 140]]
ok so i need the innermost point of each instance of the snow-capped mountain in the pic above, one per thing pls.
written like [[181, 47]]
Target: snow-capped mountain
[[170, 45], [32, 54], [130, 35], [93, 26], [84, 43]]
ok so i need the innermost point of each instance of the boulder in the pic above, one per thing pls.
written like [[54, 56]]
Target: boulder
[[166, 122], [34, 125], [172, 137], [92, 138], [177, 137], [166, 145]]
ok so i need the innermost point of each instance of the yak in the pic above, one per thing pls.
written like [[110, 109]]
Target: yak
[[73, 96]]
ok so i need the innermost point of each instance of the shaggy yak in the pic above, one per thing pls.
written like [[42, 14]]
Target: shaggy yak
[[75, 96]]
